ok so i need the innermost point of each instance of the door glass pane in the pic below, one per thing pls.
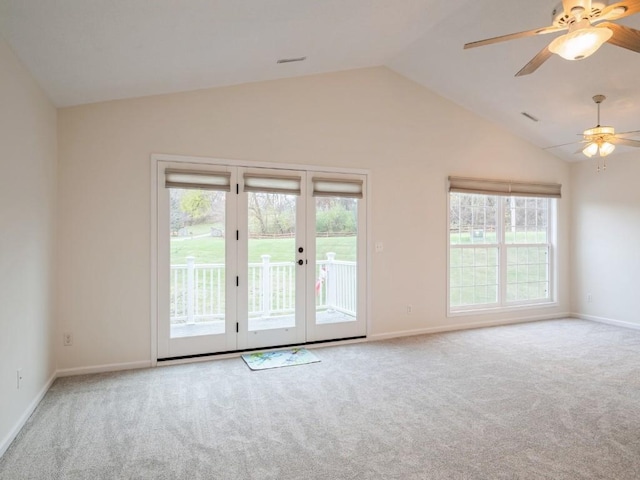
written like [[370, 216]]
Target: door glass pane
[[336, 259], [197, 262], [272, 256]]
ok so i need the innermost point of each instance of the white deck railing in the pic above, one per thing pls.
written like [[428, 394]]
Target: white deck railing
[[197, 290]]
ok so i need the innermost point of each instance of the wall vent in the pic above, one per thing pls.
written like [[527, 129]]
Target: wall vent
[[291, 60]]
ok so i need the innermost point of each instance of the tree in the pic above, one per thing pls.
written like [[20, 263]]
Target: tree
[[177, 218], [272, 213], [196, 204], [336, 215]]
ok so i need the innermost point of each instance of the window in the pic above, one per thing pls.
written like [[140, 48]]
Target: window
[[500, 249]]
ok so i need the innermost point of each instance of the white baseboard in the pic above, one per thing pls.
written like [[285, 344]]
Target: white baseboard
[[465, 326], [6, 441], [111, 367], [608, 321]]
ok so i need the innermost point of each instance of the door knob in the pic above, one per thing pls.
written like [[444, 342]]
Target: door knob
[[300, 262]]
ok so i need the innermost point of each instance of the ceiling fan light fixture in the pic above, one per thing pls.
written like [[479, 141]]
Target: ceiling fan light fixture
[[603, 148], [590, 150], [580, 43], [606, 148]]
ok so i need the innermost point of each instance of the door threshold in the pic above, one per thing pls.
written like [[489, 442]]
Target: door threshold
[[235, 353]]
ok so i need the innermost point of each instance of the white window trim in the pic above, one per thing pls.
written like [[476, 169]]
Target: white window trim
[[499, 307]]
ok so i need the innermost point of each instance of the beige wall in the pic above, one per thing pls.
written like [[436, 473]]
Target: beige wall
[[27, 202], [606, 226], [409, 138]]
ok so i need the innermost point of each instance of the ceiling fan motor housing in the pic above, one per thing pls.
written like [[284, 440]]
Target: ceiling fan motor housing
[[561, 19], [599, 133]]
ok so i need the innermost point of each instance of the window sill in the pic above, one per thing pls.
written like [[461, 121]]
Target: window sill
[[494, 309]]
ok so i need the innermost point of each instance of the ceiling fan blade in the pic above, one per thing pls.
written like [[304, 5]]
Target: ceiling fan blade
[[542, 56], [625, 141], [513, 36], [620, 10], [564, 145], [625, 37], [632, 132]]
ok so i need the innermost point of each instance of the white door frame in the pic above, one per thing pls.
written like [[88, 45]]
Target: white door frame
[[153, 257]]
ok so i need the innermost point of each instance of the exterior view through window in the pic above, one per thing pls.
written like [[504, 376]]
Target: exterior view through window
[[336, 259], [272, 260], [197, 262], [499, 251]]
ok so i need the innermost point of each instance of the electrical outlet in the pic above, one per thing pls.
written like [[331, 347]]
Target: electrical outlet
[[589, 298], [19, 377], [409, 309], [67, 339], [379, 247]]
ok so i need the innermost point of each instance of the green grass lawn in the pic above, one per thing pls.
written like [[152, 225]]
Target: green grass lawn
[[211, 249]]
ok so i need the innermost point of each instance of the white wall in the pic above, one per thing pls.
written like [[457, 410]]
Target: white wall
[[410, 139], [606, 235], [27, 203]]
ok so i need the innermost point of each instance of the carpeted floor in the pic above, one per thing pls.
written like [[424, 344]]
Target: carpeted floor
[[546, 400]]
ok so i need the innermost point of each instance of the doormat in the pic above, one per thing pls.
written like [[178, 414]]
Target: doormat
[[279, 358]]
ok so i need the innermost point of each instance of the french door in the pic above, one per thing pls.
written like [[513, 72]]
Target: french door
[[272, 255], [254, 257]]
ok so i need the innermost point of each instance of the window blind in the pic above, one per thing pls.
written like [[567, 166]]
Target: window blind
[[336, 187], [197, 179], [255, 182], [504, 187]]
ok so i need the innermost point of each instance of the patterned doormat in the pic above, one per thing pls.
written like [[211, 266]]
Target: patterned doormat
[[279, 358]]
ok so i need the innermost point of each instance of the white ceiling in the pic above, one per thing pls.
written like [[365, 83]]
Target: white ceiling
[[84, 51]]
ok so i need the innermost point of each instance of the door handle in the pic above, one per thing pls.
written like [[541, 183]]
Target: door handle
[[300, 262]]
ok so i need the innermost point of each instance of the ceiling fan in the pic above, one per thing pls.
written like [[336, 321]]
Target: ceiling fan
[[600, 139], [583, 37]]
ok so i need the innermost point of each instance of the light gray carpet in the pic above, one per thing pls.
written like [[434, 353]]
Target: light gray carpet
[[545, 400]]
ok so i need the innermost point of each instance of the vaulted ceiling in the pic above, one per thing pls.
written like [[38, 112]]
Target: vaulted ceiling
[[87, 51]]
